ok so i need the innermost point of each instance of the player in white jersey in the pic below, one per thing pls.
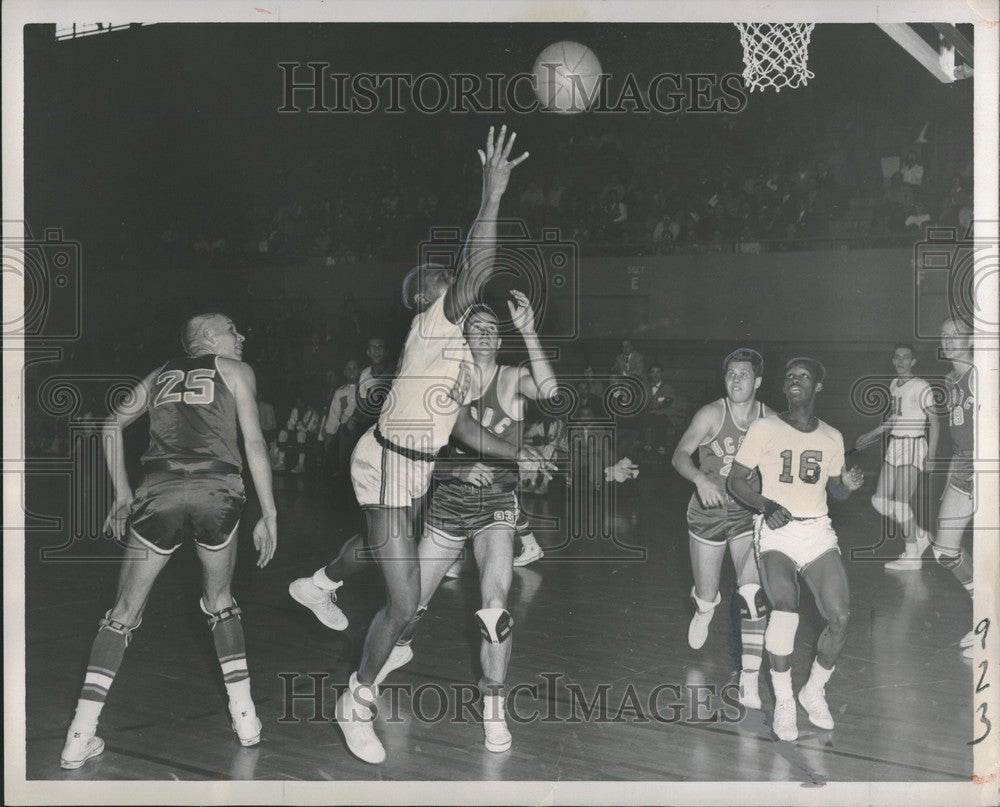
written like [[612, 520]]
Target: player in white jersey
[[392, 463], [913, 437], [716, 521], [800, 459]]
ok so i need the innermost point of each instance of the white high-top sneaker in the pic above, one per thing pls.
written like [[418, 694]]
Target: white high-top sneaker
[[80, 746], [321, 601], [813, 700], [749, 689], [355, 717], [784, 722], [401, 655], [495, 724], [245, 723]]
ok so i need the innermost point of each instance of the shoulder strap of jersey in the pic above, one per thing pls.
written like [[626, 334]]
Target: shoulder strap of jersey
[[725, 414]]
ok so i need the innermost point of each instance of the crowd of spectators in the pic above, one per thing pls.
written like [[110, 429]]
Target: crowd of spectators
[[613, 192]]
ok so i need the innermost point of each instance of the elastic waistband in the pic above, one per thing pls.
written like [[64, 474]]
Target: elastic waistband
[[907, 436], [190, 467], [409, 453]]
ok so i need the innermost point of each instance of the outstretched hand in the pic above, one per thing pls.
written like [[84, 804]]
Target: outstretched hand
[[852, 479], [521, 312], [496, 166]]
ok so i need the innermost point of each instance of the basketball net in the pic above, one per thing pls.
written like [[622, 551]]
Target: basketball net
[[775, 54]]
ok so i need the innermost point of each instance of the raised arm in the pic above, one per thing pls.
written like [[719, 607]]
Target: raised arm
[[133, 406], [540, 383], [476, 263], [241, 378]]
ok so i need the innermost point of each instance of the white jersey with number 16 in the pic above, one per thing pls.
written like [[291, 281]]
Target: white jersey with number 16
[[794, 465]]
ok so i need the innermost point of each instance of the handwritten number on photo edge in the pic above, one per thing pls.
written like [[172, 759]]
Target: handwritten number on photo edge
[[982, 630]]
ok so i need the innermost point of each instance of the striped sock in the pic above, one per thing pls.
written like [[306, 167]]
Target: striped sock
[[752, 635], [230, 647], [106, 655]]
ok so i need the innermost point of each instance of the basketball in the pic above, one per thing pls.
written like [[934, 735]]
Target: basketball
[[567, 77]]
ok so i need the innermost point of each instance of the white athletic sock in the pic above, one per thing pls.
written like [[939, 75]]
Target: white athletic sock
[[87, 714], [320, 580], [239, 693], [819, 675], [782, 684], [528, 540]]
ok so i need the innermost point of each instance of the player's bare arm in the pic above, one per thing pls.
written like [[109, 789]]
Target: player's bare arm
[[704, 424], [476, 263], [472, 433], [538, 382], [244, 383], [739, 487], [134, 405]]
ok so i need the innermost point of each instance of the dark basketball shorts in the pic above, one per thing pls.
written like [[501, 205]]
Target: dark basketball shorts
[[170, 508], [460, 510], [960, 473], [718, 525]]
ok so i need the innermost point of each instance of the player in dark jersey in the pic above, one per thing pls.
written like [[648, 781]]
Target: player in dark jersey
[[191, 490], [476, 500], [716, 520], [958, 501]]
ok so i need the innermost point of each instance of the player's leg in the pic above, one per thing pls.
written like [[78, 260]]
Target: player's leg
[[779, 578], [905, 478], [827, 578], [141, 565], [436, 551], [706, 567], [390, 538], [530, 550], [753, 616], [318, 592], [494, 550], [226, 622], [957, 508]]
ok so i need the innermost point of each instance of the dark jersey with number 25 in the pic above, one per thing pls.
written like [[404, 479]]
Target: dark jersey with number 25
[[192, 413]]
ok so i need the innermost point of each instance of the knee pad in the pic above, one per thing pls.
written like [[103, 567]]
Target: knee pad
[[495, 624], [948, 561], [214, 618], [120, 628], [753, 601], [779, 638]]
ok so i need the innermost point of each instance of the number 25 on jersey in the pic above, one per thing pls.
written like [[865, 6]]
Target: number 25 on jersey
[[199, 386]]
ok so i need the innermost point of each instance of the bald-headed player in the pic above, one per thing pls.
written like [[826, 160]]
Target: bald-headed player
[[716, 520], [800, 458], [191, 491], [392, 464]]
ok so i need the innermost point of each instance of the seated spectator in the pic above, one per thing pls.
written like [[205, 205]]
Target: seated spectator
[[890, 214], [954, 201], [298, 436], [912, 171], [629, 362], [335, 429]]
